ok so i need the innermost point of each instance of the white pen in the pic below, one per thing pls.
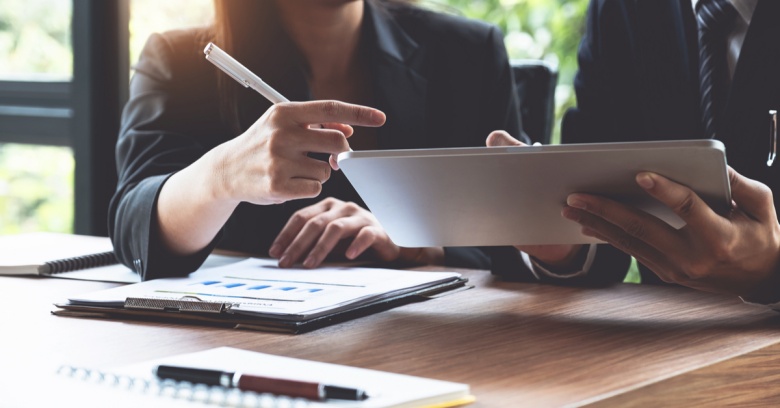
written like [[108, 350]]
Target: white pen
[[241, 74]]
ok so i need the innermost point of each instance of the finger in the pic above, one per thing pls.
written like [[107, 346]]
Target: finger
[[315, 140], [334, 164], [294, 226], [347, 130], [334, 232], [680, 199], [315, 112], [375, 237], [632, 221], [601, 229], [752, 197], [296, 189], [333, 161], [311, 169], [501, 138], [307, 236]]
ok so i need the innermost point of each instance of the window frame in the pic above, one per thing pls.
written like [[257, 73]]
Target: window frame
[[83, 113]]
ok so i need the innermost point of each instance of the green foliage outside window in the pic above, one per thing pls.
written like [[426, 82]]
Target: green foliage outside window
[[35, 40], [550, 30], [36, 188]]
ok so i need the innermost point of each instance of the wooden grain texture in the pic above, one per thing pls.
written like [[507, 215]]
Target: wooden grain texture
[[516, 344], [748, 380]]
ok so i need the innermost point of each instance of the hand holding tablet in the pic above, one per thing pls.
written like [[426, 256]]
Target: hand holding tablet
[[515, 195]]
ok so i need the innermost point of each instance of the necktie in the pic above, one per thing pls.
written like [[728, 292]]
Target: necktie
[[715, 19]]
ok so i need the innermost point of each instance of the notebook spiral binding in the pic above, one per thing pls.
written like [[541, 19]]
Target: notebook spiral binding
[[81, 262], [199, 394]]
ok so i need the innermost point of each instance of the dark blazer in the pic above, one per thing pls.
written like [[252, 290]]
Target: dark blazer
[[443, 81], [638, 80]]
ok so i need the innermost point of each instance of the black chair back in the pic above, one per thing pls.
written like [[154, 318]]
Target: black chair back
[[535, 82]]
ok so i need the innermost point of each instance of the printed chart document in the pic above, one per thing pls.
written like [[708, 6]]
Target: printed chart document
[[256, 292], [135, 385]]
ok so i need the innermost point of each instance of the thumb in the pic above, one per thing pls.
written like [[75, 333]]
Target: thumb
[[752, 197], [501, 138]]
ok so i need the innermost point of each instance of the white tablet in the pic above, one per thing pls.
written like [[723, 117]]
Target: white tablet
[[514, 195]]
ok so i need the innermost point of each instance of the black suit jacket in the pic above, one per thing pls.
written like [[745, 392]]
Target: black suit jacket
[[638, 80], [443, 81]]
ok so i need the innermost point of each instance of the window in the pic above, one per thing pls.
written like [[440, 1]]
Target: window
[[150, 16], [39, 197], [36, 182], [63, 80], [35, 40]]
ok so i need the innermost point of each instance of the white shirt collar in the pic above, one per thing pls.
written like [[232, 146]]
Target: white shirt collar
[[745, 8]]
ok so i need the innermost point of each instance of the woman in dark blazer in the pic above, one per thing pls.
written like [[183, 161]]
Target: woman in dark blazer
[[205, 163]]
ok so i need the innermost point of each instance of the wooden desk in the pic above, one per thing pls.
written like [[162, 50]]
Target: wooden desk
[[515, 344]]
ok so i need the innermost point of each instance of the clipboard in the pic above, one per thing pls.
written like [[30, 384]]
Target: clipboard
[[197, 310]]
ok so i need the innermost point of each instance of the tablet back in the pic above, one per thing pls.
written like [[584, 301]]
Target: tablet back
[[514, 195]]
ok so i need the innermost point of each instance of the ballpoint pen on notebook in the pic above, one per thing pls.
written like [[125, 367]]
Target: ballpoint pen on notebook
[[246, 382], [240, 73]]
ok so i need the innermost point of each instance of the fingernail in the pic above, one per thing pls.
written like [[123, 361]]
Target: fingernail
[[284, 261], [575, 202], [309, 262], [351, 254], [274, 251], [645, 181]]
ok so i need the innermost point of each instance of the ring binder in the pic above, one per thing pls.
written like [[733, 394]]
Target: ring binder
[[79, 262], [181, 390]]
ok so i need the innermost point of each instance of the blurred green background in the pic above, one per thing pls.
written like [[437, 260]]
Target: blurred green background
[[36, 182]]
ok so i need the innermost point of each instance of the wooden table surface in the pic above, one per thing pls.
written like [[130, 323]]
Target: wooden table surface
[[516, 344]]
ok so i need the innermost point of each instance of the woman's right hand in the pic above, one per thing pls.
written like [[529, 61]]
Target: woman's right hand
[[269, 163], [561, 257]]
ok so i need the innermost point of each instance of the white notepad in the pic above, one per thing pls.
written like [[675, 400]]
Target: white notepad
[[135, 386]]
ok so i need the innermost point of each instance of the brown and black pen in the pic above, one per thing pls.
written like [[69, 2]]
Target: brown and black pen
[[259, 384]]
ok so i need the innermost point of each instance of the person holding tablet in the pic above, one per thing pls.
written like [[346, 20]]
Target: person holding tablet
[[710, 74], [205, 163]]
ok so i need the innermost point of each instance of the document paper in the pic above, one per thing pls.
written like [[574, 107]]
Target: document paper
[[258, 287]]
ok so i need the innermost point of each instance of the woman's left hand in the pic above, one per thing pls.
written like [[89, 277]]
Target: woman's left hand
[[313, 232]]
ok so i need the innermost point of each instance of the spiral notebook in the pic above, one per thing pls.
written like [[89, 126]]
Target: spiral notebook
[[135, 386], [62, 256]]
